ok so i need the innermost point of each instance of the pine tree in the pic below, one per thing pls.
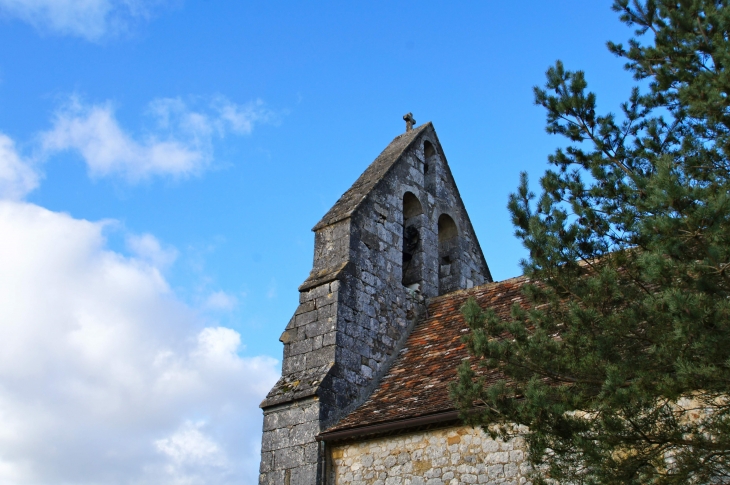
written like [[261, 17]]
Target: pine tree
[[620, 367]]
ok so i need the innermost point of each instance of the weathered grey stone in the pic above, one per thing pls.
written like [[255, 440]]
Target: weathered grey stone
[[301, 347], [294, 363], [301, 433], [267, 462], [305, 307], [317, 358], [274, 439], [289, 457], [305, 318], [319, 327], [311, 453], [329, 338], [304, 475], [276, 477]]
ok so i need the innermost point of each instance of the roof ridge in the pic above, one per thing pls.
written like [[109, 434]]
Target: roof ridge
[[484, 286]]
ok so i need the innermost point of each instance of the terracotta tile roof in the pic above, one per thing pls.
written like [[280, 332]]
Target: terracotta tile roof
[[354, 196], [417, 383]]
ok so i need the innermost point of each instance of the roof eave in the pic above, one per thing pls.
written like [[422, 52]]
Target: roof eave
[[390, 427]]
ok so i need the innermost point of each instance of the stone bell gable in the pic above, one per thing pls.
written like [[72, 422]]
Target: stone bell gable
[[398, 236]]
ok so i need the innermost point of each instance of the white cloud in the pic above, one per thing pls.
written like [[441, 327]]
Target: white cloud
[[148, 248], [94, 132], [241, 118], [190, 445], [90, 19], [105, 377], [223, 116], [17, 175], [220, 300], [180, 145], [218, 344]]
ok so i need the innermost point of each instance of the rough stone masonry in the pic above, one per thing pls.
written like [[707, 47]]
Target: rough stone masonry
[[451, 456], [398, 236]]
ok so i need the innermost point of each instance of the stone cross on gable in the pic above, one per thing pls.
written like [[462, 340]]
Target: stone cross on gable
[[410, 121]]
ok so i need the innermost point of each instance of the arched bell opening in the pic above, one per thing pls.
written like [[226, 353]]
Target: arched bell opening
[[412, 244], [448, 237]]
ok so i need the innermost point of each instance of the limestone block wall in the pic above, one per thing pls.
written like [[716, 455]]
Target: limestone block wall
[[331, 246], [310, 336], [289, 455], [448, 456]]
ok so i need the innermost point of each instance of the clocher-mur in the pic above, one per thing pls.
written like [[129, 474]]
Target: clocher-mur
[[375, 341]]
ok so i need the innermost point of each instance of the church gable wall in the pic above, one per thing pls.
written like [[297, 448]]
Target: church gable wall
[[378, 254], [375, 310]]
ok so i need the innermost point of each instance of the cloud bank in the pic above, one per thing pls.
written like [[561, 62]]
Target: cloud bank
[[18, 177], [179, 144], [105, 376], [148, 248], [89, 19]]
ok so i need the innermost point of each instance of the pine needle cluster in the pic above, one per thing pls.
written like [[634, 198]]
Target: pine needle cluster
[[620, 367]]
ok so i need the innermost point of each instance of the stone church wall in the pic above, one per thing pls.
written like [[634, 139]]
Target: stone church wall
[[447, 456], [354, 310]]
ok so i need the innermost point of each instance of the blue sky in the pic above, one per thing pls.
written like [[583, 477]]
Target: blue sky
[[162, 164]]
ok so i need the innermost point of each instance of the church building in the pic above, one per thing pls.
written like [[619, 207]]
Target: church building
[[375, 342]]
